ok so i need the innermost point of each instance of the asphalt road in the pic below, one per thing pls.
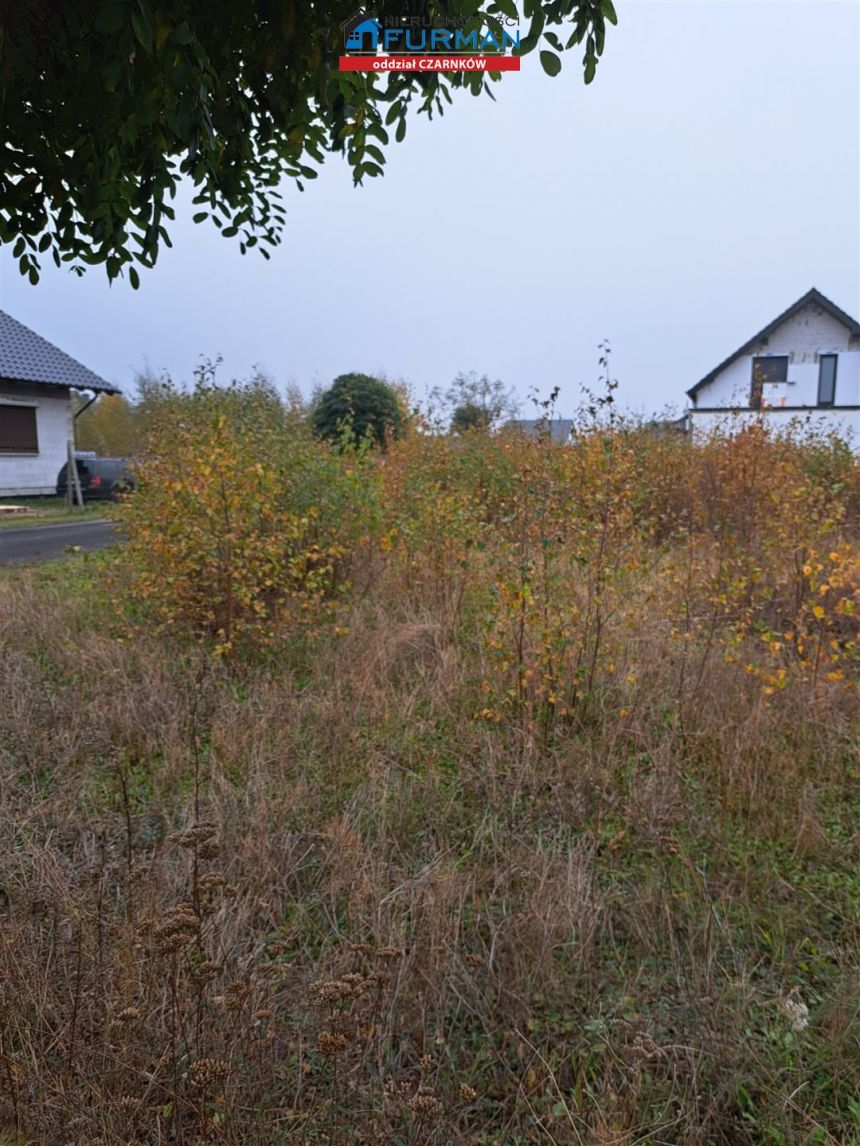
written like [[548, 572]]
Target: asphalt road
[[44, 542]]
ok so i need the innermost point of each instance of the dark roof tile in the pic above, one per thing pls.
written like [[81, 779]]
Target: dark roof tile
[[27, 357]]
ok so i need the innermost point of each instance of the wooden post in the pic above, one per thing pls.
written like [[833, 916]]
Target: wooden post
[[69, 452], [74, 494]]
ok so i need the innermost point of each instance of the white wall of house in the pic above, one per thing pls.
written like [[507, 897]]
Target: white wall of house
[[731, 387], [802, 338], [845, 424], [28, 474]]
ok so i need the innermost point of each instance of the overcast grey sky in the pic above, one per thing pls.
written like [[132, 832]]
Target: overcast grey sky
[[707, 178]]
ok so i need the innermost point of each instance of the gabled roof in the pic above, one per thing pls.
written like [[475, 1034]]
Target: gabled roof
[[27, 357], [811, 296]]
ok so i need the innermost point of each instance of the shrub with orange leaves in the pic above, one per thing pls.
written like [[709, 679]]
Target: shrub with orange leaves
[[242, 526], [545, 558]]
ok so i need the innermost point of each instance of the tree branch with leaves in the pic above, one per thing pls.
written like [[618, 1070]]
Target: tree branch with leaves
[[108, 105]]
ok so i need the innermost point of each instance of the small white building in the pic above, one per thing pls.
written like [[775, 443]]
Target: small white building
[[800, 374], [36, 418]]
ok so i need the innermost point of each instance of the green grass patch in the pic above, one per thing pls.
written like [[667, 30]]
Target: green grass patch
[[50, 511]]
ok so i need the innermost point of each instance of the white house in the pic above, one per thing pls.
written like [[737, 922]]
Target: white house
[[36, 419], [800, 373]]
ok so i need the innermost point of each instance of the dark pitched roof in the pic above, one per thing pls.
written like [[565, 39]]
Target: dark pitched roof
[[27, 357], [559, 428], [811, 296]]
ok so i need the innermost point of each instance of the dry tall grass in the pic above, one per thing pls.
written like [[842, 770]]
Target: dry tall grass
[[512, 844]]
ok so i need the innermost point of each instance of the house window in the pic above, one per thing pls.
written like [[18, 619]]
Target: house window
[[774, 368], [18, 430], [826, 379]]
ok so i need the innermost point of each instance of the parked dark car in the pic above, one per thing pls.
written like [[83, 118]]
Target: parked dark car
[[101, 478]]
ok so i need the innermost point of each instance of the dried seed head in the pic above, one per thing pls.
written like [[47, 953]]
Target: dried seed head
[[176, 929], [467, 1093], [128, 1015], [354, 983], [209, 1071], [193, 836], [331, 991], [644, 1047], [207, 971], [390, 953], [331, 1043], [210, 882], [425, 1106], [427, 1062], [396, 1091], [209, 850], [236, 993]]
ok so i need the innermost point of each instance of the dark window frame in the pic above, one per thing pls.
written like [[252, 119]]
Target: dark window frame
[[31, 448], [823, 403], [756, 383]]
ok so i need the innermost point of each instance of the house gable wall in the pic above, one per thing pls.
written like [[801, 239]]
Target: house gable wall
[[803, 337], [29, 474]]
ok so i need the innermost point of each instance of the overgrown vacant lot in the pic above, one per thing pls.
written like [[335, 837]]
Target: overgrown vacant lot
[[482, 791]]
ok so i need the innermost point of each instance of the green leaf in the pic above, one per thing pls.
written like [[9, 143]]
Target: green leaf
[[200, 216], [590, 68], [535, 31], [550, 63], [507, 8], [133, 278], [608, 10], [142, 31], [400, 134], [378, 131]]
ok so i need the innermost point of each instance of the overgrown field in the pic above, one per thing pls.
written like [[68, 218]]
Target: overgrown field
[[479, 791]]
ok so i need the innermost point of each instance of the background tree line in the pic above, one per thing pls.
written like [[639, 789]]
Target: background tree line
[[356, 405]]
